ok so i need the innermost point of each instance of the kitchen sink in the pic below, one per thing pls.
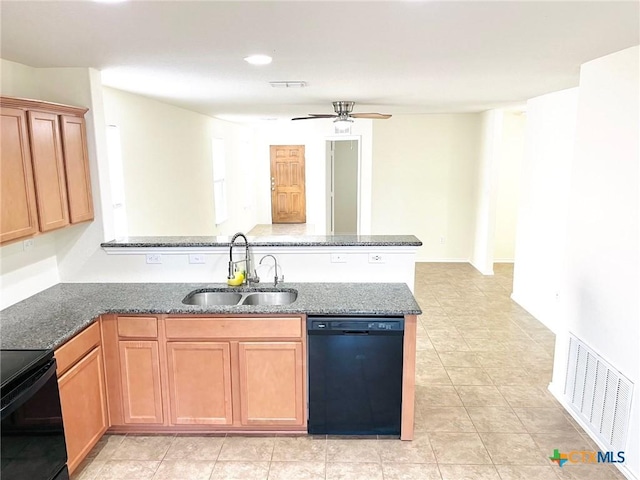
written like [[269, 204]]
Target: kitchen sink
[[209, 298], [270, 298]]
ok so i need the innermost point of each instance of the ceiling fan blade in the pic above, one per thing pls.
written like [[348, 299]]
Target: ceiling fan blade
[[379, 116], [323, 115], [315, 117]]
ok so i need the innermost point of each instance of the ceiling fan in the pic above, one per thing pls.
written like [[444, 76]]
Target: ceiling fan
[[343, 114]]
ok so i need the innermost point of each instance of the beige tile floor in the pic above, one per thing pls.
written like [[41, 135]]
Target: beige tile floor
[[482, 408]]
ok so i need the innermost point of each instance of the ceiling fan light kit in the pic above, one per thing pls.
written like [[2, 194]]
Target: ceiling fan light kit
[[343, 118]]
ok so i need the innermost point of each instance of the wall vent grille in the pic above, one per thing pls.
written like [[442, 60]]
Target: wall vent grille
[[599, 394]]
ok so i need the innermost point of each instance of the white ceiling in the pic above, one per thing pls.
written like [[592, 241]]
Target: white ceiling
[[390, 56]]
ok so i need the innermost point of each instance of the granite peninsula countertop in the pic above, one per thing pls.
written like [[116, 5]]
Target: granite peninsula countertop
[[51, 317], [269, 241]]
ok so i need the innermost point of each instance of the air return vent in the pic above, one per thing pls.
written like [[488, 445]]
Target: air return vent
[[599, 394]]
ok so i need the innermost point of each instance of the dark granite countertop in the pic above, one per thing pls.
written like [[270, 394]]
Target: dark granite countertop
[[270, 241], [49, 318]]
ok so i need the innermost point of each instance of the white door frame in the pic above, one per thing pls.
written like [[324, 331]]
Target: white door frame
[[329, 181]]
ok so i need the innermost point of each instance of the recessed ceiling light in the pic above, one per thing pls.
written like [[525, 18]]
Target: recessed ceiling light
[[258, 59]]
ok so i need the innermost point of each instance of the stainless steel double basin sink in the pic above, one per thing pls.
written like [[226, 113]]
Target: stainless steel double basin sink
[[219, 297]]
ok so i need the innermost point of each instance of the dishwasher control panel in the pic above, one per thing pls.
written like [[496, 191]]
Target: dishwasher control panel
[[356, 324]]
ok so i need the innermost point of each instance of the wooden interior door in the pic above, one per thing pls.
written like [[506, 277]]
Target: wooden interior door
[[288, 200]]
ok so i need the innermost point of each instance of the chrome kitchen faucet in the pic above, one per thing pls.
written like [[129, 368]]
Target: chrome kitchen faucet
[[250, 277]]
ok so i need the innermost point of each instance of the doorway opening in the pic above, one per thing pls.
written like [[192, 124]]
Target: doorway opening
[[343, 186]]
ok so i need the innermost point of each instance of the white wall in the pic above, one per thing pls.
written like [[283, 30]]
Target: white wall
[[600, 294], [26, 272], [544, 201], [313, 135], [508, 188], [424, 170], [486, 191], [168, 172]]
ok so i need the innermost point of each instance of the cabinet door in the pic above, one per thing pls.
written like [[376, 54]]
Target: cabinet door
[[48, 170], [140, 371], [76, 162], [19, 216], [199, 383], [271, 383], [84, 406]]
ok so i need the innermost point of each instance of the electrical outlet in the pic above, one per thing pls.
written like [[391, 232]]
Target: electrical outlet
[[154, 258], [338, 258], [442, 240], [27, 244], [196, 258], [376, 258]]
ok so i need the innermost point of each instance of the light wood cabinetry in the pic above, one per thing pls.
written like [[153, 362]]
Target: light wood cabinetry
[[200, 383], [76, 159], [271, 383], [82, 393], [18, 198], [48, 170], [45, 168], [140, 370], [195, 373]]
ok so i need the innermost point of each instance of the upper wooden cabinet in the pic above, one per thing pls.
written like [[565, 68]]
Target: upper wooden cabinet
[[45, 168], [48, 170], [19, 217], [76, 159]]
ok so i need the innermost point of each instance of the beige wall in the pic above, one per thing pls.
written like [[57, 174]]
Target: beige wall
[[508, 189], [168, 173], [424, 170]]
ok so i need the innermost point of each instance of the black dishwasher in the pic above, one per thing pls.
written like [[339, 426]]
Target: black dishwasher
[[355, 375]]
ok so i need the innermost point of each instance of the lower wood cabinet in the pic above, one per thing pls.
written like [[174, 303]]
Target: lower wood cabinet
[[199, 383], [195, 373], [141, 386], [81, 382], [271, 383]]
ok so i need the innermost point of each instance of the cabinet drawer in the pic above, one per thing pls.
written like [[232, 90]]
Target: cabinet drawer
[[235, 327], [76, 348], [138, 327]]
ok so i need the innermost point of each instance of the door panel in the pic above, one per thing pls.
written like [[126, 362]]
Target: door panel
[[84, 406], [48, 169], [288, 200], [271, 383], [200, 383], [76, 160], [19, 216], [141, 390]]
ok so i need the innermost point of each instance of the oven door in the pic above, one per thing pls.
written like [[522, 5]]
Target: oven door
[[33, 446]]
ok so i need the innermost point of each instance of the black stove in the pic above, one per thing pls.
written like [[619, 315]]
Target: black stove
[[14, 363], [33, 443]]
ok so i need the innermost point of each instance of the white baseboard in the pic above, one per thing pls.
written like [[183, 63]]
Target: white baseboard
[[558, 394]]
